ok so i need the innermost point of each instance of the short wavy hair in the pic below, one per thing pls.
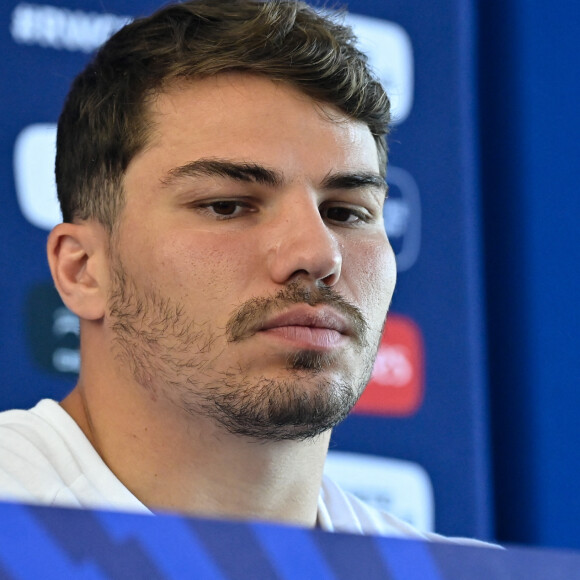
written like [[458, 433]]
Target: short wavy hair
[[105, 120]]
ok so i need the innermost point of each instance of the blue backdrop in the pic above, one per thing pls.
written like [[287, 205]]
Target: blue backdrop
[[519, 97], [530, 121]]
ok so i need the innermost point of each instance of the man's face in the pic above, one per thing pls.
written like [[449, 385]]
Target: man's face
[[251, 273]]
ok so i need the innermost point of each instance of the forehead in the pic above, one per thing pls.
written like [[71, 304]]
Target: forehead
[[220, 110]]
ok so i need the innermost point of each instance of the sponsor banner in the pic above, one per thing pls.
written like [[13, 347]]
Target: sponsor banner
[[397, 383]]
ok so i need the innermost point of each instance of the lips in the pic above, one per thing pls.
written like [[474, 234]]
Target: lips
[[315, 318], [307, 327]]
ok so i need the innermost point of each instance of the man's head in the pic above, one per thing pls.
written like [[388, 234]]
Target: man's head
[[228, 256], [106, 119]]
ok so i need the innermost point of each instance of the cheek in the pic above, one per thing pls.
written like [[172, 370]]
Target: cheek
[[204, 266], [372, 274]]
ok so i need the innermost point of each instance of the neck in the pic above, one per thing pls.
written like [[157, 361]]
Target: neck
[[171, 460]]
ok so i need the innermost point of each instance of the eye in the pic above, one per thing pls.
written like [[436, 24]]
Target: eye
[[345, 215], [225, 208]]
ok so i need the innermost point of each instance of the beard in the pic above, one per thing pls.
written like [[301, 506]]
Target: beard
[[177, 358]]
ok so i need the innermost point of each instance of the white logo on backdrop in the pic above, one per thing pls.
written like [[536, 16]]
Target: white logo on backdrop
[[401, 487], [390, 53], [61, 28], [34, 153], [66, 360], [392, 367], [403, 217]]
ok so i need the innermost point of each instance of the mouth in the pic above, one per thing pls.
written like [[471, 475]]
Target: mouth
[[308, 328]]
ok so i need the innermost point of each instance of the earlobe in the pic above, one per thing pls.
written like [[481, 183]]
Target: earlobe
[[76, 254]]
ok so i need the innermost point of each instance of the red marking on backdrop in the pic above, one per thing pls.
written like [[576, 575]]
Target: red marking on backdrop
[[397, 384]]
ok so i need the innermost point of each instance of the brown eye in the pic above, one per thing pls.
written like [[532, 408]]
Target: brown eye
[[339, 214], [224, 207]]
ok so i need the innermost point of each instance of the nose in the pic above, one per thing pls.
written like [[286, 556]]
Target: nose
[[303, 246]]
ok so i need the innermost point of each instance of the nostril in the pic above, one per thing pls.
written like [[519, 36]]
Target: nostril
[[300, 274], [331, 279]]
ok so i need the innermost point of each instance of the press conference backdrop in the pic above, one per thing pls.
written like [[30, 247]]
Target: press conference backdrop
[[418, 438]]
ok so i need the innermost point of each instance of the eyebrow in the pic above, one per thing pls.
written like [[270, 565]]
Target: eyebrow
[[236, 170], [254, 173], [355, 181]]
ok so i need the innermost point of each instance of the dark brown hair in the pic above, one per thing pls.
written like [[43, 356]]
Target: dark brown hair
[[105, 121]]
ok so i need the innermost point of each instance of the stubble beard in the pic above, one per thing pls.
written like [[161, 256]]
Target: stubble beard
[[174, 357]]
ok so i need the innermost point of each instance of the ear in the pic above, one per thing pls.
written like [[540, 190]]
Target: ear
[[78, 262]]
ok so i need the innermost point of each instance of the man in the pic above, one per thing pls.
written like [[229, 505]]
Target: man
[[220, 168]]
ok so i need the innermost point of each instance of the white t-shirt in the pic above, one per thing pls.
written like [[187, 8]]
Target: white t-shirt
[[46, 459]]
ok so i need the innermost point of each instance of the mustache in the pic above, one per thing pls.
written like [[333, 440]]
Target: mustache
[[251, 316]]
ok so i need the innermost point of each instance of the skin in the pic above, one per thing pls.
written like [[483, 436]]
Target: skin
[[192, 250]]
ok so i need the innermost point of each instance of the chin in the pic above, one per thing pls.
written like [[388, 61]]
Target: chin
[[297, 405]]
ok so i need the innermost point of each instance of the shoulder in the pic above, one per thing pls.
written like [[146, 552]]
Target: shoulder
[[33, 430], [45, 458], [32, 452], [44, 429], [340, 511]]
